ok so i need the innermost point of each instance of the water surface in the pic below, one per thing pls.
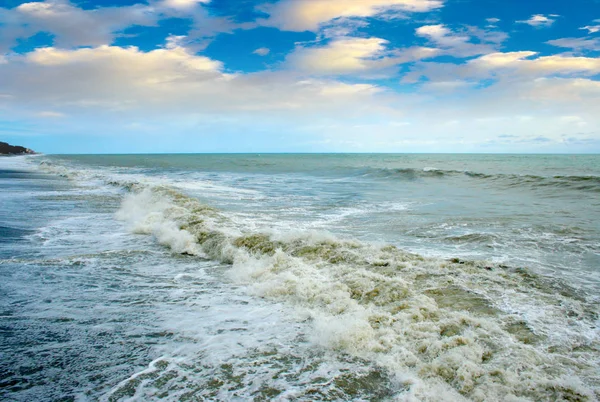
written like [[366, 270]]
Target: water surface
[[300, 277]]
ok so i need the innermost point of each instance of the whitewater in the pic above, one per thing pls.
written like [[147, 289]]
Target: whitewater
[[300, 277]]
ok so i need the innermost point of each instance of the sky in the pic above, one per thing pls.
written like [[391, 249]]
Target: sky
[[133, 76]]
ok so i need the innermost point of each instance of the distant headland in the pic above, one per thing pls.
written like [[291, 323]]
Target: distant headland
[[7, 149]]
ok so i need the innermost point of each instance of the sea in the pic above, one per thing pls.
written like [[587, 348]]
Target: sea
[[300, 277]]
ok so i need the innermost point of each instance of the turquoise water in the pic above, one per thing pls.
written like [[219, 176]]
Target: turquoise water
[[300, 277]]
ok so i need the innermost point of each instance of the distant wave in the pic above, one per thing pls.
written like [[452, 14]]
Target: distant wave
[[586, 183], [589, 183]]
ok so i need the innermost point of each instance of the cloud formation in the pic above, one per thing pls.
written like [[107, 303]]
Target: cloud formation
[[592, 28], [469, 42], [262, 51], [308, 15], [392, 69], [169, 80], [71, 26], [349, 55], [183, 4], [540, 20], [521, 63], [577, 43]]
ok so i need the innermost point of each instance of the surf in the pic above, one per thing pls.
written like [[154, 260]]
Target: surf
[[457, 328]]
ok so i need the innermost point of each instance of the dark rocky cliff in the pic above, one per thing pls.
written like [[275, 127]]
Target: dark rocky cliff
[[6, 149]]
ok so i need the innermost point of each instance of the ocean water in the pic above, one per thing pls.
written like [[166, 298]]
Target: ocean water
[[300, 277]]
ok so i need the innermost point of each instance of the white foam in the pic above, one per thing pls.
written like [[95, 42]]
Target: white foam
[[18, 162], [148, 213]]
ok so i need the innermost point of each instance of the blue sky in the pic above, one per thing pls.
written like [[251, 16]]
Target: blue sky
[[120, 76]]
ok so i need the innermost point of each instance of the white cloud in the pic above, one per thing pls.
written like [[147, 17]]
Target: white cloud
[[447, 86], [491, 110], [308, 15], [435, 32], [170, 81], [176, 84], [206, 26], [580, 92], [51, 114], [346, 55], [543, 66], [183, 4], [540, 20], [175, 41], [173, 89], [492, 37], [70, 25], [576, 120], [461, 44], [351, 56], [509, 66], [262, 51], [495, 60], [592, 28], [341, 27], [512, 82], [177, 58], [577, 43], [493, 20]]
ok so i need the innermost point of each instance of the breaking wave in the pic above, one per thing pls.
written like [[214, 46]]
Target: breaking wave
[[442, 329]]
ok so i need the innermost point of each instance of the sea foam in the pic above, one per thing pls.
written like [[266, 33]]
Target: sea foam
[[442, 329]]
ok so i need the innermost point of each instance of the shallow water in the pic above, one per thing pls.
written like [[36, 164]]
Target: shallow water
[[300, 277]]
